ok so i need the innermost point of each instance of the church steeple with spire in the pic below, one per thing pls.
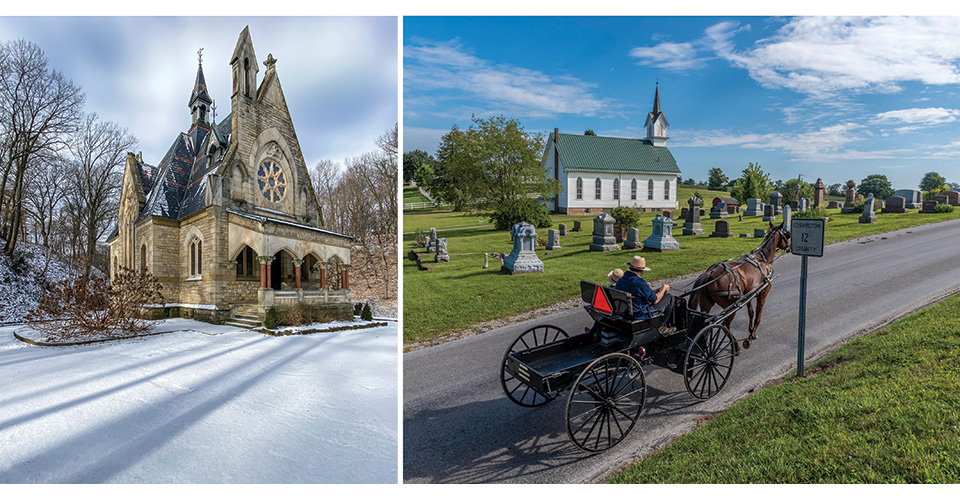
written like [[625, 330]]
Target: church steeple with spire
[[200, 100], [656, 123]]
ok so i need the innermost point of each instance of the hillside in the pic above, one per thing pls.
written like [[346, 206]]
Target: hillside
[[22, 279]]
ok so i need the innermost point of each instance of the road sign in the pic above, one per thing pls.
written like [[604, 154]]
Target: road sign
[[806, 237], [806, 240]]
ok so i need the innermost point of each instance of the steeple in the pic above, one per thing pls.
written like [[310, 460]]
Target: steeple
[[656, 123], [200, 100]]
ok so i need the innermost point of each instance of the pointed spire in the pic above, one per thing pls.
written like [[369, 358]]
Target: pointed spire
[[656, 101], [200, 85]]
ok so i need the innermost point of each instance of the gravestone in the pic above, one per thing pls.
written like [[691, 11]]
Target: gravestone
[[913, 198], [522, 258], [754, 207], [818, 189], [787, 216], [553, 239], [804, 204], [722, 230], [668, 214], [563, 229], [683, 213], [768, 214], [486, 260], [719, 211], [692, 224], [661, 240], [895, 205], [633, 239], [603, 238], [760, 233], [850, 202], [733, 208], [941, 199], [868, 217], [929, 207], [776, 200], [576, 226], [833, 205], [442, 255], [953, 198], [432, 241]]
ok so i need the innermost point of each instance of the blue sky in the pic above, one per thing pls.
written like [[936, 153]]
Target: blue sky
[[837, 98], [339, 75]]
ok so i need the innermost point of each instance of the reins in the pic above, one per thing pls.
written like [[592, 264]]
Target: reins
[[741, 259]]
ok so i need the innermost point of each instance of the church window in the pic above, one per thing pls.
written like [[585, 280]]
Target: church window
[[579, 188], [245, 259], [196, 257], [143, 258], [272, 181], [596, 190], [650, 189], [633, 189], [246, 77], [666, 190], [616, 189]]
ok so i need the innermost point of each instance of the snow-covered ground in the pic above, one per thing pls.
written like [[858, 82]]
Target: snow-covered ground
[[202, 404]]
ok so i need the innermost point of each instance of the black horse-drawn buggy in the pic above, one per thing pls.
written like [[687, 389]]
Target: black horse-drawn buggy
[[602, 368]]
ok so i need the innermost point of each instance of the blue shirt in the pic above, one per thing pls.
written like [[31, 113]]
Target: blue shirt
[[643, 296]]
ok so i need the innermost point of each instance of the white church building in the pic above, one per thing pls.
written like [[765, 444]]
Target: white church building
[[599, 173]]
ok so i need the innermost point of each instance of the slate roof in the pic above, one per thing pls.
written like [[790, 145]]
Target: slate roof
[[614, 154]]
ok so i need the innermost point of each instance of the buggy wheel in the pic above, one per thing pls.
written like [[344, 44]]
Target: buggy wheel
[[605, 402], [516, 389], [709, 361]]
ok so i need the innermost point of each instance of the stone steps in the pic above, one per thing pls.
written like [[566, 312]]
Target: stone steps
[[244, 316]]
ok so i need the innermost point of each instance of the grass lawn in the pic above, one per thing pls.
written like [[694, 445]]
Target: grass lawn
[[455, 295], [884, 408], [412, 195]]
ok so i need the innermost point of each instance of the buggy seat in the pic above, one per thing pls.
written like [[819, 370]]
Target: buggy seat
[[613, 309]]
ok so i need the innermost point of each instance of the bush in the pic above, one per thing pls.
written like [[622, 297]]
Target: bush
[[943, 208], [858, 208], [272, 318], [814, 213], [524, 209], [626, 216], [300, 314], [367, 314]]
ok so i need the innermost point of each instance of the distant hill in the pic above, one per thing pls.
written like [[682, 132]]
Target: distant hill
[[22, 279]]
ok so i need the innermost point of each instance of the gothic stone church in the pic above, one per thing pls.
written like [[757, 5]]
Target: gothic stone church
[[228, 219]]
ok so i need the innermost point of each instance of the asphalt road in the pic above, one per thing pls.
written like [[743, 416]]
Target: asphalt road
[[459, 427]]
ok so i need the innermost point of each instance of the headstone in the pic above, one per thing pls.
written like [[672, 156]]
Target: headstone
[[603, 238], [754, 207], [633, 239], [929, 207], [833, 205], [912, 197], [432, 241], [522, 258], [668, 214], [744, 235], [850, 202], [787, 216], [576, 226], [953, 198], [760, 233], [722, 230], [692, 224], [776, 199], [553, 239], [442, 255], [941, 199], [895, 205], [486, 260], [818, 190], [733, 208], [719, 211], [683, 213], [661, 240], [768, 214], [868, 217], [563, 229]]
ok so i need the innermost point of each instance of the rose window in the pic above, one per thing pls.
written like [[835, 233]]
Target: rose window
[[272, 181]]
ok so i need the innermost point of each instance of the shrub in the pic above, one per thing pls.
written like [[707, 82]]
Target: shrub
[[524, 209], [626, 216], [272, 319], [367, 314], [814, 213], [943, 208], [858, 208]]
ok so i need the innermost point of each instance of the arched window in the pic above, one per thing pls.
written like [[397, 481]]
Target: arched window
[[616, 189], [666, 190], [245, 263], [246, 77], [579, 188], [596, 194], [633, 189], [143, 258], [196, 257], [650, 189]]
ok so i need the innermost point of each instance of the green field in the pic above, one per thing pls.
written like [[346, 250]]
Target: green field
[[456, 295], [412, 195], [884, 408]]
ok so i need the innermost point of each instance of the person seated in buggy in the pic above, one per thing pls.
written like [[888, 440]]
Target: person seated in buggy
[[647, 301]]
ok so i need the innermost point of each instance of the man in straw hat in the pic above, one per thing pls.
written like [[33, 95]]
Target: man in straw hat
[[647, 301]]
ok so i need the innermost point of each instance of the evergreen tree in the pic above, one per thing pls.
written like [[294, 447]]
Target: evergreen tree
[[753, 183]]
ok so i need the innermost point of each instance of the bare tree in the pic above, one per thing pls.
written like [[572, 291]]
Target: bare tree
[[98, 151], [40, 107], [325, 176], [44, 195]]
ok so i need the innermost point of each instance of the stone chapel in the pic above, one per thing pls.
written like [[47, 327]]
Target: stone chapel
[[228, 219]]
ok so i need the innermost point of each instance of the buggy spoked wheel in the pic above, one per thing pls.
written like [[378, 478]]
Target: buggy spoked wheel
[[605, 402], [516, 389], [709, 361]]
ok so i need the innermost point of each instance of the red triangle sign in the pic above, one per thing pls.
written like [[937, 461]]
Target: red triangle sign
[[600, 301]]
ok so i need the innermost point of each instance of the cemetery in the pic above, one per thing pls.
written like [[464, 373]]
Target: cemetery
[[581, 251]]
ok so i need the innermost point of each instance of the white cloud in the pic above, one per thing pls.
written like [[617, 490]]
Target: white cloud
[[916, 118]]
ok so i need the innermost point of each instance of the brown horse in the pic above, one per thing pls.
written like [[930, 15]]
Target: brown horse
[[727, 281]]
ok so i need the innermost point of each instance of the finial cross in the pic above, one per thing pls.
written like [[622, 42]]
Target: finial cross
[[200, 56]]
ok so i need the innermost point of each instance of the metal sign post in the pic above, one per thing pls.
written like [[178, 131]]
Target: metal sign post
[[806, 239]]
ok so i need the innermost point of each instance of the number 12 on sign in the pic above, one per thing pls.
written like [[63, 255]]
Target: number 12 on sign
[[806, 239]]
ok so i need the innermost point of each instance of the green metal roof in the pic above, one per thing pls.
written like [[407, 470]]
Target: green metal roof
[[614, 154]]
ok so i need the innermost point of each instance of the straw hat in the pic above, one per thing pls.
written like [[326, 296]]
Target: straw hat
[[638, 264], [615, 276]]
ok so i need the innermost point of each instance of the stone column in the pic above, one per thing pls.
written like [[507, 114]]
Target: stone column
[[296, 268], [345, 283], [818, 190], [264, 271]]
